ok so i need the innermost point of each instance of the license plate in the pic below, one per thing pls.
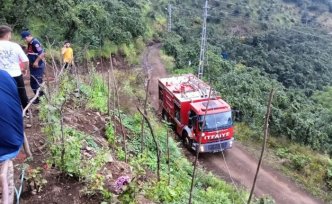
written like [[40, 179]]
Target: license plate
[[217, 146]]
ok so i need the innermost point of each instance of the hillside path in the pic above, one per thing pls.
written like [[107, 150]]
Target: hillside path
[[240, 162]]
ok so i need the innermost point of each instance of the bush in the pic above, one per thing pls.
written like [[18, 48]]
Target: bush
[[299, 162], [329, 176]]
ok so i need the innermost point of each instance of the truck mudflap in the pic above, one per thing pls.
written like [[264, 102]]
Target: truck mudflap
[[215, 146]]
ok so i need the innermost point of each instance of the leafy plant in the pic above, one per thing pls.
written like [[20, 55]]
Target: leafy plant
[[110, 134], [329, 176], [35, 179], [282, 152]]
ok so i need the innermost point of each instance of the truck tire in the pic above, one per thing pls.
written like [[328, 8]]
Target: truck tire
[[164, 115], [186, 141]]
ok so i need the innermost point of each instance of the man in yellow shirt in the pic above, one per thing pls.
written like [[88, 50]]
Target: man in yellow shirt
[[68, 55]]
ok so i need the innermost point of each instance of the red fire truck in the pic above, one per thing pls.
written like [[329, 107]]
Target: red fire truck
[[185, 103]]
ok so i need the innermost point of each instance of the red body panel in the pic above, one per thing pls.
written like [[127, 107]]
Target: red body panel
[[180, 95]]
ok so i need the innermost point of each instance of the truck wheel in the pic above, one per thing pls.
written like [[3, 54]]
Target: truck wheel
[[164, 115], [186, 141]]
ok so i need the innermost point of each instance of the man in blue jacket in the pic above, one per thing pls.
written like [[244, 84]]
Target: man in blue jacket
[[11, 120], [36, 57]]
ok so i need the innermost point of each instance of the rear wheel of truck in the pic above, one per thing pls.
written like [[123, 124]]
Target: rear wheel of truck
[[164, 115]]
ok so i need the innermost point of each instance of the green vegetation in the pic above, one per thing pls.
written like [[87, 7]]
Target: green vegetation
[[293, 60], [207, 187], [67, 147], [96, 28], [96, 93], [66, 143], [298, 58]]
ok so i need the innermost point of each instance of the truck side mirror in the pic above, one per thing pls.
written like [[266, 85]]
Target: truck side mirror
[[236, 115]]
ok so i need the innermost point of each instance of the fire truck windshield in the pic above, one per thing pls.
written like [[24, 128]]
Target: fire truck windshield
[[216, 121]]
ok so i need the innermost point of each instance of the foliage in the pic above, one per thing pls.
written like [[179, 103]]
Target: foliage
[[110, 134], [324, 97], [260, 54], [168, 61], [281, 60], [96, 93], [296, 57], [35, 179], [329, 175], [67, 144], [207, 187], [89, 25]]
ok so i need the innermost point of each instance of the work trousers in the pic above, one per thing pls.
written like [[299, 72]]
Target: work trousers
[[21, 90], [36, 78]]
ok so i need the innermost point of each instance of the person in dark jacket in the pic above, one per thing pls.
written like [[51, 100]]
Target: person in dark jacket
[[11, 120], [36, 57]]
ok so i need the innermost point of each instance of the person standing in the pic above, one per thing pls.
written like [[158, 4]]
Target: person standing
[[11, 120], [14, 61], [68, 55], [36, 57]]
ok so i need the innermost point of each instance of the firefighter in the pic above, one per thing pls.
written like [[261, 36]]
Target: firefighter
[[68, 55], [14, 61], [36, 57], [11, 120]]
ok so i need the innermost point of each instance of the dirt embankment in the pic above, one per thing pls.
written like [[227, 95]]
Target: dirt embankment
[[239, 162]]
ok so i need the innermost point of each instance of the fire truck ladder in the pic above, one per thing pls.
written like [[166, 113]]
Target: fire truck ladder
[[203, 43], [199, 86]]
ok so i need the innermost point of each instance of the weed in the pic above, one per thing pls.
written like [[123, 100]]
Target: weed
[[35, 179], [282, 152], [329, 175], [168, 61], [298, 162], [96, 93], [110, 134], [120, 154]]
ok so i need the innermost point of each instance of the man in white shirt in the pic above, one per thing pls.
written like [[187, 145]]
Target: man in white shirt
[[11, 55]]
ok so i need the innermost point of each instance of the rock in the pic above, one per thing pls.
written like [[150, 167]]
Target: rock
[[109, 158], [56, 189], [95, 128], [67, 119]]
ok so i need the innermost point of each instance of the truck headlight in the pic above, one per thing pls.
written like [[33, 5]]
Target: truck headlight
[[201, 148]]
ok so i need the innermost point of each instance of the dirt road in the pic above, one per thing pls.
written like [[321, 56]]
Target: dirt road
[[239, 161]]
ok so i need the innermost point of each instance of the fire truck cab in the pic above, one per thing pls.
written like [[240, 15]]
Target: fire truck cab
[[185, 103]]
